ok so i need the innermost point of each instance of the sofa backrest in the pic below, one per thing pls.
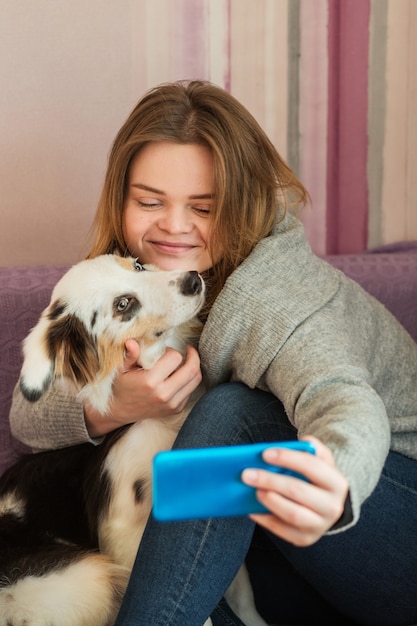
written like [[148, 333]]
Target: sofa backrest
[[389, 274], [24, 293]]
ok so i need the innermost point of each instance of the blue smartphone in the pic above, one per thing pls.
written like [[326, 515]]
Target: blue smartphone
[[200, 483]]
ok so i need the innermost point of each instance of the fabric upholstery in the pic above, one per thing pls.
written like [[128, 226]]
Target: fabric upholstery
[[24, 293]]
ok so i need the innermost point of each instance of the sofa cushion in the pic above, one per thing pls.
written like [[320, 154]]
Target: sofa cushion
[[390, 274], [24, 293]]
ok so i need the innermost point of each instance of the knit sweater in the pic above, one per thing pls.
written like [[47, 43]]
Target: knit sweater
[[288, 322], [342, 365]]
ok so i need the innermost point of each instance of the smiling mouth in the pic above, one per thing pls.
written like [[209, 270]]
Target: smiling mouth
[[172, 248]]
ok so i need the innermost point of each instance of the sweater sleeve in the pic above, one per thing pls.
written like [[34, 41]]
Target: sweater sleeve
[[328, 391], [54, 421], [343, 367]]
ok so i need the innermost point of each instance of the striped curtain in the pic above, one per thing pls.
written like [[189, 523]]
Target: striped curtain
[[332, 82]]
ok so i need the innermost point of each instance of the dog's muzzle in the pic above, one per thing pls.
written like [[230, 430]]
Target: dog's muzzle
[[192, 284]]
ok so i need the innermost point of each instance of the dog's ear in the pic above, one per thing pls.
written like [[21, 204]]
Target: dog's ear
[[58, 346], [74, 350], [38, 368]]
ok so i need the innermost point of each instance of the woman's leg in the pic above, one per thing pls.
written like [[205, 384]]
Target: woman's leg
[[369, 572], [183, 569], [282, 595]]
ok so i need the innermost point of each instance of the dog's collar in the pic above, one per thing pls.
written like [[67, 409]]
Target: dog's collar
[[138, 265]]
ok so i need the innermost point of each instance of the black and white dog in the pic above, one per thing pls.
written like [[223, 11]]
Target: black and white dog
[[71, 520]]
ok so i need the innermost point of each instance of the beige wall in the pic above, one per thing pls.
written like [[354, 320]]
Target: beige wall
[[399, 189], [71, 70], [65, 75]]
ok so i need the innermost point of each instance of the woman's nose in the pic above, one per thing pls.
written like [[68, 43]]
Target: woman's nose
[[176, 219]]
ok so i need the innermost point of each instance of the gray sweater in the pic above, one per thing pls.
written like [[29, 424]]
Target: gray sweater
[[288, 322], [344, 368]]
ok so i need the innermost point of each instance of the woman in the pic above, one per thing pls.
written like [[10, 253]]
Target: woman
[[290, 348]]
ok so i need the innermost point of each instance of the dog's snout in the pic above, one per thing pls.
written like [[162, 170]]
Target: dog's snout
[[192, 284]]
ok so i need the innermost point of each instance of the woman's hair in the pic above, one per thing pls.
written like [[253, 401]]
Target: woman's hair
[[252, 183]]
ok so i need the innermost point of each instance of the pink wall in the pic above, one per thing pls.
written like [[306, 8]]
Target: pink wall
[[347, 139]]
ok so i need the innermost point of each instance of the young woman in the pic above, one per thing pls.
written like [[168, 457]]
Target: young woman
[[290, 348]]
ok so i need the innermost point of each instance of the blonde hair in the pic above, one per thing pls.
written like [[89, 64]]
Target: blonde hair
[[253, 184]]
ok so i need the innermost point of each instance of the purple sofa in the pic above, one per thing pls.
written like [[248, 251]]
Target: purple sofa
[[389, 273]]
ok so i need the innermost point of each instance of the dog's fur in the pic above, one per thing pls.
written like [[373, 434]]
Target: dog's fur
[[71, 520]]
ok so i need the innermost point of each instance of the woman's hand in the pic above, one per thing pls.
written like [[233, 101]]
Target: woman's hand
[[300, 512], [138, 394]]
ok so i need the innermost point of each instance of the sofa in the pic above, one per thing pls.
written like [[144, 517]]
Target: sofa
[[389, 273]]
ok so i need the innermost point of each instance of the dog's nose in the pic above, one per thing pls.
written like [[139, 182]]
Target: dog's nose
[[192, 284]]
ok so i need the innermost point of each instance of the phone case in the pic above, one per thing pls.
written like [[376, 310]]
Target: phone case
[[205, 482]]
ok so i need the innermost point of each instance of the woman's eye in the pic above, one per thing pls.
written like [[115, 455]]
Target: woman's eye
[[202, 209], [149, 204]]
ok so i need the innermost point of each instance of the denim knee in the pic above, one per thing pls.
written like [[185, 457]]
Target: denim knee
[[232, 414]]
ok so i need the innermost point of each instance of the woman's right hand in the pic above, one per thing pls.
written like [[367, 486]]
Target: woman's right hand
[[140, 394], [300, 511]]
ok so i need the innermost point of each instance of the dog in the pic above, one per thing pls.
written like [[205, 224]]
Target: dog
[[71, 520]]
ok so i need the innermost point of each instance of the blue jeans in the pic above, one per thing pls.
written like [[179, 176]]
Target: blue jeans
[[365, 575]]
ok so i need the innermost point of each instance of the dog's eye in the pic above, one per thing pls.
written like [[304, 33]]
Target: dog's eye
[[122, 304], [159, 333], [138, 266], [125, 307]]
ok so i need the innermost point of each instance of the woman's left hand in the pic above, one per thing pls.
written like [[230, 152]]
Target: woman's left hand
[[300, 511]]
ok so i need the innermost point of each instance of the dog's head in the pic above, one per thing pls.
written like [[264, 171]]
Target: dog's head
[[95, 307]]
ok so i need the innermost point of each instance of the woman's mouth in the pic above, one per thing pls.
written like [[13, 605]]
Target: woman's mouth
[[173, 248]]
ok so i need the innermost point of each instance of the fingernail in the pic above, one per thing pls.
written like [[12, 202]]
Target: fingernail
[[249, 476], [271, 454]]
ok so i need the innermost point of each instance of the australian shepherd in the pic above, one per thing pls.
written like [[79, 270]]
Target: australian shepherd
[[71, 520]]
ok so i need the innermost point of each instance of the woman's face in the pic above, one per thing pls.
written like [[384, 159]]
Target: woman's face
[[167, 212]]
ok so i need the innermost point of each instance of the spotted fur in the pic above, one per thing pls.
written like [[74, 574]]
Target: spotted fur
[[71, 520]]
